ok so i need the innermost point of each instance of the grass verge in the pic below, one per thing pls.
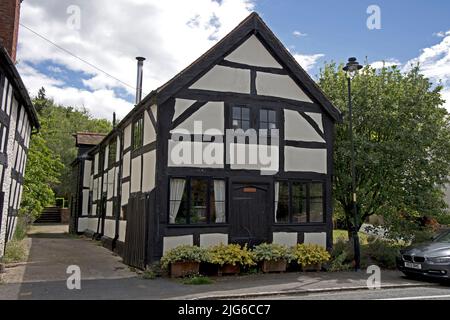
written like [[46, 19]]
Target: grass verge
[[16, 251], [197, 280]]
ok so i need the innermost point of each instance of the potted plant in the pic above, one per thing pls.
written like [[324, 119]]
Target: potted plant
[[230, 258], [183, 260], [310, 256], [272, 257]]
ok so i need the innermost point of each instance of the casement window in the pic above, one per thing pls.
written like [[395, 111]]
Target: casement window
[[253, 117], [196, 201], [298, 202], [267, 120], [112, 152], [101, 161], [241, 118], [138, 133]]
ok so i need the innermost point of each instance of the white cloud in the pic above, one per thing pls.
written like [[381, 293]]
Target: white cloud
[[308, 61], [434, 63], [100, 103], [440, 34], [385, 63], [299, 34], [170, 34]]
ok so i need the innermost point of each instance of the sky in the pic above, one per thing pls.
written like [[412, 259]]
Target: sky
[[173, 33]]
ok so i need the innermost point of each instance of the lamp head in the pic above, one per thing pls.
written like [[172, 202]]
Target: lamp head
[[352, 67]]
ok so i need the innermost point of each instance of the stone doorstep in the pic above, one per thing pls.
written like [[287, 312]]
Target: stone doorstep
[[306, 291]]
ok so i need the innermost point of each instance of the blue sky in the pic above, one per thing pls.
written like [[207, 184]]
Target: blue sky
[[338, 28], [173, 33]]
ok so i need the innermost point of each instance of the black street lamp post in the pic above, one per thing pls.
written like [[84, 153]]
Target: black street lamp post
[[351, 68]]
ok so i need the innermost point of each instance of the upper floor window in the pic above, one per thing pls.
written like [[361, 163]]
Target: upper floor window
[[241, 118], [298, 202], [267, 119], [112, 152], [138, 133]]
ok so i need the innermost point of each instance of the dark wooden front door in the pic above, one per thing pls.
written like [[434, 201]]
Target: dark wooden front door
[[249, 214]]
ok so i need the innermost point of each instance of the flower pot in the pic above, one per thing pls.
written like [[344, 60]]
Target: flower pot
[[229, 269], [182, 269], [273, 266], [312, 267]]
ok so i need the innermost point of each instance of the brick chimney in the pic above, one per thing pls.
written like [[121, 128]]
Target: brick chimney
[[9, 25]]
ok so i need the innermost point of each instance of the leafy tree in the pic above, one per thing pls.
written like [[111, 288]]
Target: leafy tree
[[58, 125], [42, 173], [402, 146]]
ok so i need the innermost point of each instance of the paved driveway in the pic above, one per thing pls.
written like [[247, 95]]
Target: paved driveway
[[52, 251]]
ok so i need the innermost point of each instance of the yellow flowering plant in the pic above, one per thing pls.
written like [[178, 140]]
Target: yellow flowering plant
[[232, 254], [310, 254]]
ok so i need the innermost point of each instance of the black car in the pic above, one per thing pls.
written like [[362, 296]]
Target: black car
[[431, 259]]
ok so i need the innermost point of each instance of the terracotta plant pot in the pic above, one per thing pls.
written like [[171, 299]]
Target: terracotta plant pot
[[312, 267], [229, 269], [183, 269], [273, 266]]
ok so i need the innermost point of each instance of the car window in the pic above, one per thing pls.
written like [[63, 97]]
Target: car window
[[444, 237]]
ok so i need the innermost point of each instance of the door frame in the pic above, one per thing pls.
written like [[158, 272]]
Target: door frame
[[252, 182]]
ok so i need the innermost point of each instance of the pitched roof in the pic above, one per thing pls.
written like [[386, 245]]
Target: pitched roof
[[16, 81], [253, 24], [88, 138]]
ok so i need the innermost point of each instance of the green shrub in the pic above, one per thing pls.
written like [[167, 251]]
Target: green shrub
[[341, 256], [421, 236], [184, 253], [381, 253], [149, 274], [271, 252], [310, 254], [444, 219], [230, 254], [16, 251], [21, 228]]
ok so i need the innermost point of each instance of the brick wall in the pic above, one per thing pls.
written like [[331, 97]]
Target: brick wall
[[9, 25]]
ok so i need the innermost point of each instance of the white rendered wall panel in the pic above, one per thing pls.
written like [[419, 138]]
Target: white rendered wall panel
[[127, 137], [87, 173], [181, 105], [253, 52], [210, 116], [276, 85], [125, 193], [136, 172], [296, 128], [126, 165], [224, 79], [85, 203], [149, 129], [305, 160], [148, 171]]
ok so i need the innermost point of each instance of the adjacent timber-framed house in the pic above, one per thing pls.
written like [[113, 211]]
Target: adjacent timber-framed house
[[183, 167], [18, 120]]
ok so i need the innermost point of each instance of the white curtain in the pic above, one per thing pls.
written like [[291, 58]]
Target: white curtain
[[219, 201], [176, 195], [277, 191]]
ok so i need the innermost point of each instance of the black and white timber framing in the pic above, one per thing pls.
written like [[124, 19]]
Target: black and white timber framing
[[140, 203], [18, 120]]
